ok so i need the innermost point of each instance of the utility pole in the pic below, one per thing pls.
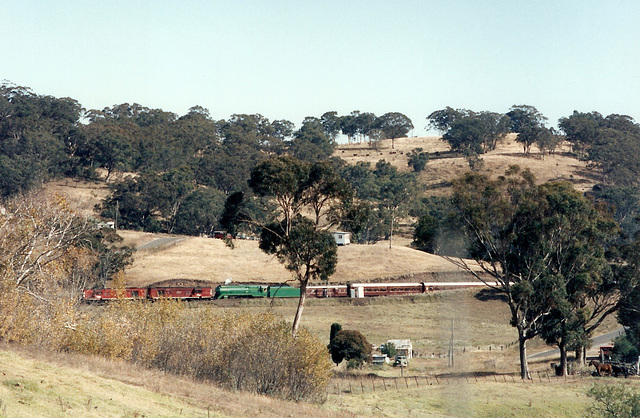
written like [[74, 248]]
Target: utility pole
[[451, 346], [117, 211]]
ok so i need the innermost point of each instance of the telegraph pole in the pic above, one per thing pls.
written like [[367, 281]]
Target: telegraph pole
[[451, 346]]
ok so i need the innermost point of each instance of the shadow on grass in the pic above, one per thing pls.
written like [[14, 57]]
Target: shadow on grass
[[486, 295]]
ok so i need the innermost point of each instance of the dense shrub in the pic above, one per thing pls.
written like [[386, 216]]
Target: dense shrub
[[615, 400], [350, 345], [389, 349], [418, 159], [242, 351]]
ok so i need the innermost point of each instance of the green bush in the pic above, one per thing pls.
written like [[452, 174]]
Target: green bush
[[389, 349], [350, 345], [616, 400], [418, 159]]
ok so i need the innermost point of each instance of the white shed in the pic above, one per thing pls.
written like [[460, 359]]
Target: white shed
[[379, 359], [342, 238], [403, 347]]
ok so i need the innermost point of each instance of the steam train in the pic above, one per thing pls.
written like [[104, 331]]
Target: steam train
[[350, 290]]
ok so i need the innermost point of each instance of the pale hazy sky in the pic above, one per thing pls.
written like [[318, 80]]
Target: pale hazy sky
[[291, 59]]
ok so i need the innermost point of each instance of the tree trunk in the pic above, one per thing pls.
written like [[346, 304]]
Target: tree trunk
[[581, 356], [563, 358], [391, 230], [303, 296], [524, 366]]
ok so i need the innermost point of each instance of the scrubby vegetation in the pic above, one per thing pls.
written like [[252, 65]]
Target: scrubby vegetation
[[46, 259], [349, 345], [619, 401], [241, 351]]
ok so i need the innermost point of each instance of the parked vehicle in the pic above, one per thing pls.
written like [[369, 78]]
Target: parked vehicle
[[400, 361]]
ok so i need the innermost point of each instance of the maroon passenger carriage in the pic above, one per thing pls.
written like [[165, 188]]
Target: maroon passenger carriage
[[92, 295], [351, 290], [184, 293]]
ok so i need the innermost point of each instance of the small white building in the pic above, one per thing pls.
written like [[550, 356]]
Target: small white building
[[379, 359], [342, 238], [403, 348]]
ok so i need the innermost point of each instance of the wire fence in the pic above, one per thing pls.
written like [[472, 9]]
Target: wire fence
[[375, 385], [464, 350]]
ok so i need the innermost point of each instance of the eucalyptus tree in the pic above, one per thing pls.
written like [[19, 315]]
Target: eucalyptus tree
[[302, 245], [37, 136], [542, 245], [394, 125], [470, 132], [528, 123], [310, 143], [442, 120]]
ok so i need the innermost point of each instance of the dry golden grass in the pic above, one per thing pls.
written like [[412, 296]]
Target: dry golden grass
[[38, 383], [461, 399], [425, 319], [82, 195], [211, 260], [556, 167]]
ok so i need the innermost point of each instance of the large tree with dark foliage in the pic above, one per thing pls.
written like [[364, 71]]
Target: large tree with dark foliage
[[37, 135], [394, 125], [541, 244], [303, 245], [470, 132], [528, 123], [350, 345], [310, 143]]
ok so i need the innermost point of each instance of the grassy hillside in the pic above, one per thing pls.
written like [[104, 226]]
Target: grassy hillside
[[36, 383], [211, 260], [67, 385], [443, 168]]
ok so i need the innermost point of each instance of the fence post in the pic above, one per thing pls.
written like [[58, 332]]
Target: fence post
[[406, 382], [385, 384], [362, 386], [350, 390], [437, 381], [395, 380], [417, 384]]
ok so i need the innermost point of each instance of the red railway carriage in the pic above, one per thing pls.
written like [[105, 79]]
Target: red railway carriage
[[185, 293], [457, 285], [327, 291], [386, 289], [111, 294]]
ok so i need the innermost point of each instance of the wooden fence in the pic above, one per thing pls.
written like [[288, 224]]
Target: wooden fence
[[378, 384]]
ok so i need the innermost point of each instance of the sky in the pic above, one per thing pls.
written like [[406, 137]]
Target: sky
[[292, 59]]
